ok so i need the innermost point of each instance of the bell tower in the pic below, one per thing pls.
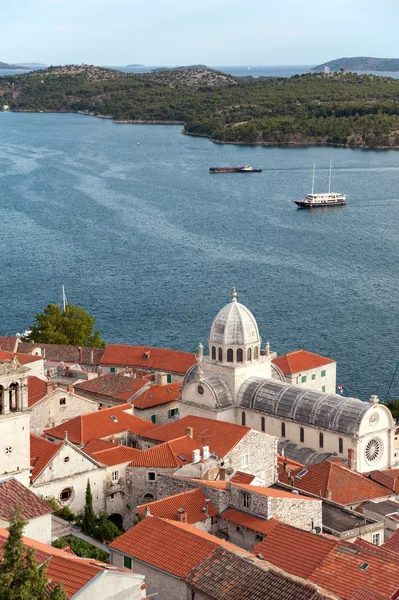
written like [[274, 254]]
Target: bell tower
[[14, 421]]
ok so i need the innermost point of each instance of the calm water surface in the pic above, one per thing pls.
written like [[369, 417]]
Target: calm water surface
[[150, 243]]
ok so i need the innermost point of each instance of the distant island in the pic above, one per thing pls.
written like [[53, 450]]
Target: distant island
[[4, 65], [360, 63], [186, 68], [135, 65], [33, 64], [339, 109]]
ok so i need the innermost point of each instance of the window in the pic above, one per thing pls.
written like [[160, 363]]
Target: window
[[168, 378], [313, 376], [263, 424], [323, 389], [220, 353], [175, 411], [151, 476], [282, 429], [259, 537], [8, 449], [112, 496], [243, 418], [303, 379], [114, 475], [249, 354], [238, 529], [213, 353], [229, 355], [239, 355], [323, 373], [245, 499], [148, 497], [321, 440], [66, 495], [66, 459], [244, 461], [112, 370], [154, 418], [341, 446], [376, 539], [302, 435], [256, 353], [200, 390], [62, 401], [127, 562]]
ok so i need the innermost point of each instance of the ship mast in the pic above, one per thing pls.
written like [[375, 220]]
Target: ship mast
[[64, 299], [314, 166], [329, 179]]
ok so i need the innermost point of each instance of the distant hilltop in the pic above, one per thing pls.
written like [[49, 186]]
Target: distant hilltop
[[360, 63], [186, 68], [135, 65], [4, 65]]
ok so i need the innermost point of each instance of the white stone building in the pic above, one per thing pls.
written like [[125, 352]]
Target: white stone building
[[238, 383]]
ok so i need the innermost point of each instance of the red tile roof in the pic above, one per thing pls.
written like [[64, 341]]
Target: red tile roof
[[41, 452], [23, 359], [64, 353], [37, 390], [113, 385], [220, 436], [167, 545], [9, 343], [173, 454], [300, 360], [389, 478], [158, 359], [157, 395], [101, 424], [273, 493], [346, 486], [95, 445], [249, 521], [333, 564], [117, 455], [14, 494], [240, 477], [392, 542], [193, 502]]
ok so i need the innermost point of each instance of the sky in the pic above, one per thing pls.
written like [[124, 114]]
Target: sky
[[181, 32]]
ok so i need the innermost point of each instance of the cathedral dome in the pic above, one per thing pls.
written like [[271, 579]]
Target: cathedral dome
[[234, 325]]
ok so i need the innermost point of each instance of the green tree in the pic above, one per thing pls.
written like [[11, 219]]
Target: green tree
[[20, 576], [89, 516], [72, 326], [105, 530]]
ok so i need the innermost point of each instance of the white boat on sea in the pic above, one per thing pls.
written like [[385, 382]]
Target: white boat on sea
[[325, 200]]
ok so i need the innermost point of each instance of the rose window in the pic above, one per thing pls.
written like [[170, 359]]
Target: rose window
[[373, 450]]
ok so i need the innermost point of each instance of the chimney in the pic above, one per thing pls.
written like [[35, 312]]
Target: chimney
[[228, 486], [70, 389], [65, 436], [328, 494], [147, 512], [80, 355], [161, 378], [206, 508], [49, 388], [222, 474], [351, 459], [92, 357], [181, 515], [189, 432], [205, 452], [196, 456]]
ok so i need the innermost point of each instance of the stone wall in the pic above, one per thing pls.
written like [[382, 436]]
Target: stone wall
[[304, 514], [161, 412], [261, 451], [57, 408], [138, 484]]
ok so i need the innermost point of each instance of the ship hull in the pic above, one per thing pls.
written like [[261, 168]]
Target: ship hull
[[302, 204], [233, 170]]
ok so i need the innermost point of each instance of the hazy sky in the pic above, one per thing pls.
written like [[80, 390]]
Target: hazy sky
[[214, 32]]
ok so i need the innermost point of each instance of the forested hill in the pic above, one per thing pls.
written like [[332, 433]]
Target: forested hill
[[344, 109], [4, 65], [360, 63]]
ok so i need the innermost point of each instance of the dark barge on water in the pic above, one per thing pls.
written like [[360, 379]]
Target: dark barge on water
[[244, 169]]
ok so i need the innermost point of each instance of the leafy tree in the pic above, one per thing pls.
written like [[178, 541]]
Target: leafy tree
[[89, 516], [20, 576], [72, 326], [81, 548], [105, 529], [393, 406]]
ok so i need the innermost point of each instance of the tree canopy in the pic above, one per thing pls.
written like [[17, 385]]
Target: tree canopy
[[21, 578], [72, 326]]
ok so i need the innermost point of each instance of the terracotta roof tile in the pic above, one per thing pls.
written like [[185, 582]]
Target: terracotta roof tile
[[117, 455], [158, 359], [95, 445], [157, 395], [100, 424], [346, 486], [113, 385], [193, 502], [14, 494], [37, 390], [389, 478], [9, 343], [273, 493], [240, 477], [300, 360], [392, 542], [171, 454], [41, 452], [23, 359], [64, 353], [220, 436], [249, 521], [167, 545]]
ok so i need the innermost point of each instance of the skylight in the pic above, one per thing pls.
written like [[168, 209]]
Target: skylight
[[114, 419], [364, 566], [301, 474]]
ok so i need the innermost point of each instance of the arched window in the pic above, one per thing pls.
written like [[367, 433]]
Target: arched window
[[213, 353], [249, 354], [321, 440], [220, 357], [229, 355], [239, 355], [1, 399], [148, 497], [243, 418], [341, 446], [263, 424], [282, 429], [13, 396], [301, 434], [256, 353]]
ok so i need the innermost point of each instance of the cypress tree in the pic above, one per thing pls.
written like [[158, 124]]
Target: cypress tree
[[89, 516]]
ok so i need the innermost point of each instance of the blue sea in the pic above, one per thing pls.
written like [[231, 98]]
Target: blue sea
[[149, 242]]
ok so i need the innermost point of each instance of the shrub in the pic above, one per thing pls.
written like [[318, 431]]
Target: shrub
[[81, 548]]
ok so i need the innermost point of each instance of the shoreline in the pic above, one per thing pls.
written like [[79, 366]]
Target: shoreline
[[302, 144]]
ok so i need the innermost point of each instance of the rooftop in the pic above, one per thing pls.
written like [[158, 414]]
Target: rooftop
[[9, 343], [158, 359], [23, 359], [41, 452], [64, 353], [389, 478], [392, 542], [172, 454], [193, 502], [37, 390], [157, 395], [385, 508], [220, 436], [299, 361], [100, 424], [14, 494], [247, 520], [113, 385], [339, 520]]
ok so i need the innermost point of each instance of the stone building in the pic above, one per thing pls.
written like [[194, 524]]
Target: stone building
[[239, 383], [311, 370]]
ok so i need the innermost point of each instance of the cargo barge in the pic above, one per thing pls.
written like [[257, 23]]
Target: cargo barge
[[244, 169]]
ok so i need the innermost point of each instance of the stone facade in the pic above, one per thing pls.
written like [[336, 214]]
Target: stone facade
[[161, 413], [142, 484], [58, 407]]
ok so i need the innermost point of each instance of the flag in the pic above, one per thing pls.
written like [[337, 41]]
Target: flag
[[340, 388]]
